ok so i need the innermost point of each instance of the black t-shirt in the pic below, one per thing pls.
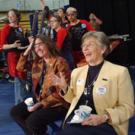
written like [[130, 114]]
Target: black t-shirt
[[16, 33], [76, 32], [87, 96]]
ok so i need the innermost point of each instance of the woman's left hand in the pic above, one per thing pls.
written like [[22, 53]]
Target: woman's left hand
[[94, 120]]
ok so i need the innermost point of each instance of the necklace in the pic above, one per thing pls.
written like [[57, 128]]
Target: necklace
[[87, 89]]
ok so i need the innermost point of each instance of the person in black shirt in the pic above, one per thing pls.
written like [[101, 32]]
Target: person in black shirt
[[77, 28]]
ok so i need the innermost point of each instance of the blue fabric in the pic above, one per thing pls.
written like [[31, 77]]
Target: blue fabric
[[35, 30], [20, 90]]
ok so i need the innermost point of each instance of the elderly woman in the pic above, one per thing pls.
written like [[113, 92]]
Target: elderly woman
[[49, 105], [101, 85]]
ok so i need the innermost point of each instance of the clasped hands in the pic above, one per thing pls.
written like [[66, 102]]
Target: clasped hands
[[95, 120]]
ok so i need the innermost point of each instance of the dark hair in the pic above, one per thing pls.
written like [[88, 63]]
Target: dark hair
[[63, 9], [49, 44], [47, 12], [17, 13]]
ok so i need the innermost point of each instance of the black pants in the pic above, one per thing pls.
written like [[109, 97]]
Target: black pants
[[36, 122], [77, 129]]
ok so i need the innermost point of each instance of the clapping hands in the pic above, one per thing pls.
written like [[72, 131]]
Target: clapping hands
[[58, 80]]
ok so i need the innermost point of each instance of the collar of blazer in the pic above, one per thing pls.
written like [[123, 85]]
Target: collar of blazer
[[103, 74], [82, 75]]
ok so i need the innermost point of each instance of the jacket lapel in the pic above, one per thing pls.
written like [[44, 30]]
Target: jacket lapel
[[80, 85], [82, 78], [99, 83], [102, 75]]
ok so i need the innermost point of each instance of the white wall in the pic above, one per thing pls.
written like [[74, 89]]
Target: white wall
[[30, 4]]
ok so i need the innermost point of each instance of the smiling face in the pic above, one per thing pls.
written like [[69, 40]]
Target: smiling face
[[93, 51], [12, 17], [54, 23], [40, 48]]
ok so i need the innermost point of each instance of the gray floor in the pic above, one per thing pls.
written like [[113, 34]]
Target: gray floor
[[7, 125]]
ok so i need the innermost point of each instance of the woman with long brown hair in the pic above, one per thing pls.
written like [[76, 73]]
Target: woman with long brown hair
[[49, 105]]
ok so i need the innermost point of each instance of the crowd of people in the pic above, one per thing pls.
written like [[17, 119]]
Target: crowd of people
[[68, 70]]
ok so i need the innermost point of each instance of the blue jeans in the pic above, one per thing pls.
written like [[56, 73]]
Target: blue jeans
[[20, 90]]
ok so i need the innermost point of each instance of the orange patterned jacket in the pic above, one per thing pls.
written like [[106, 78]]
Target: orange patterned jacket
[[49, 96]]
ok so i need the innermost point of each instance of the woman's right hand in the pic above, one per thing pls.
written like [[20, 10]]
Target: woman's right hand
[[27, 51], [58, 80]]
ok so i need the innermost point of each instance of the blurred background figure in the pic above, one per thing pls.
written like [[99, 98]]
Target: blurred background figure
[[3, 64], [62, 39], [12, 38], [62, 13], [45, 17], [76, 29], [95, 21]]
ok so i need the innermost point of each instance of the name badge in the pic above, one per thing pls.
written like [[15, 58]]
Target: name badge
[[80, 82], [101, 90]]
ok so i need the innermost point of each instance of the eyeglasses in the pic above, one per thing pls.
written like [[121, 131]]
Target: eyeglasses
[[38, 44]]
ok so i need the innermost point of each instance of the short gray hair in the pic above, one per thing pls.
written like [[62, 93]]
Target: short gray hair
[[101, 37]]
